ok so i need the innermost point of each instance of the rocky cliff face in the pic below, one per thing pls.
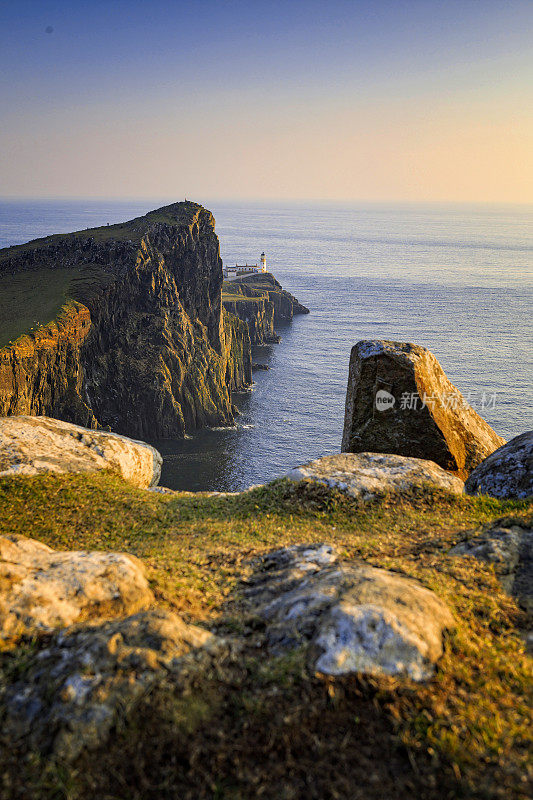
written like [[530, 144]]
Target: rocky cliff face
[[41, 373], [238, 352], [285, 304], [142, 346], [253, 308], [260, 302]]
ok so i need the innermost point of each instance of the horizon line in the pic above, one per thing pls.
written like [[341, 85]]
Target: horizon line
[[170, 199]]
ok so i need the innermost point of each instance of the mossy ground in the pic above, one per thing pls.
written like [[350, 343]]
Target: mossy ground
[[268, 728], [30, 300]]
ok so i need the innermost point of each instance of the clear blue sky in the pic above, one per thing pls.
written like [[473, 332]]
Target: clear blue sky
[[412, 99]]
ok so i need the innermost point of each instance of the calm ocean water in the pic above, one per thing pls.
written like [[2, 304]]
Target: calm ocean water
[[456, 279]]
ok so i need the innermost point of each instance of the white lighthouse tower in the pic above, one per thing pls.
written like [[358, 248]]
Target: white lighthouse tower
[[263, 262]]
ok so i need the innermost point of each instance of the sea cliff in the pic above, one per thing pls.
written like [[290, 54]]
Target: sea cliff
[[140, 343]]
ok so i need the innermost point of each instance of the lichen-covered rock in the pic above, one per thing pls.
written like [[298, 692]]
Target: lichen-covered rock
[[508, 547], [365, 475], [34, 445], [399, 400], [506, 473], [86, 679], [350, 616], [42, 589]]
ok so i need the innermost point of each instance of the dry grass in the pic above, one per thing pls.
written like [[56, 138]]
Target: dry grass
[[264, 727]]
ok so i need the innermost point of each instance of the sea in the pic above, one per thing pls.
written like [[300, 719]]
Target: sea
[[457, 279]]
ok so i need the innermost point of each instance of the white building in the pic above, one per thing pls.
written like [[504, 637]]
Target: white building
[[245, 269]]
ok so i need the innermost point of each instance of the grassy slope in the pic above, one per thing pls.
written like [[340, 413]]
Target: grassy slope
[[272, 730], [232, 292]]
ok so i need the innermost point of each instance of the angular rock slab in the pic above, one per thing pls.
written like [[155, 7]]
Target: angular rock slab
[[506, 473], [35, 445], [42, 589], [363, 475], [353, 617], [399, 400], [86, 679]]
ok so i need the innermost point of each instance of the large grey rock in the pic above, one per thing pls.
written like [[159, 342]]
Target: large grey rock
[[508, 546], [42, 589], [508, 472], [350, 616], [34, 445], [85, 680], [364, 475], [399, 400]]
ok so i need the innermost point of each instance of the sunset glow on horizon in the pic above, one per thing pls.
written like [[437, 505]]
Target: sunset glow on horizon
[[377, 101]]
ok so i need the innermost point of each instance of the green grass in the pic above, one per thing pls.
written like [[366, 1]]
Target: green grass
[[269, 728], [233, 291], [30, 300]]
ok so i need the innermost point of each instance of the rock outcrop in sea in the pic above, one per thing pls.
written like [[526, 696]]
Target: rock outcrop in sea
[[260, 301], [399, 400]]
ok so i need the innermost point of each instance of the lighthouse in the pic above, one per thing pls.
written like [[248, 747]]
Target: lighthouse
[[263, 262]]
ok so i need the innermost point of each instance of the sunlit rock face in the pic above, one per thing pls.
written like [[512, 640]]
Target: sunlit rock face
[[42, 589], [40, 445], [399, 400], [506, 473]]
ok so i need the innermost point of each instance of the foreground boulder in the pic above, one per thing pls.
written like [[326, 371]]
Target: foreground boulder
[[42, 589], [352, 617], [399, 400], [506, 473], [86, 679], [33, 445], [365, 475]]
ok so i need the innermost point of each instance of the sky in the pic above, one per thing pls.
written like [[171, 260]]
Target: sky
[[371, 100]]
